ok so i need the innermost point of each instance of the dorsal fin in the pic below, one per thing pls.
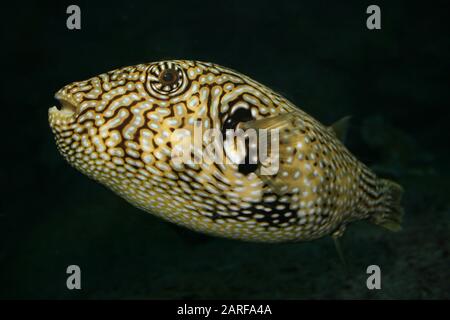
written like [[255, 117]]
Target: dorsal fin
[[340, 128]]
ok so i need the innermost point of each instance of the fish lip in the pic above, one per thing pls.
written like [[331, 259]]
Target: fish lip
[[67, 106]]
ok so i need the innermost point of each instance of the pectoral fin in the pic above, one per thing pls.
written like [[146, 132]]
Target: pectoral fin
[[286, 124], [278, 168]]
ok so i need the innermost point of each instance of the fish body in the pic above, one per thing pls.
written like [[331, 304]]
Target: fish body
[[118, 128]]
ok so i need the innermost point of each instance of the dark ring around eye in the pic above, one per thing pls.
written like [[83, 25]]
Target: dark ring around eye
[[165, 80]]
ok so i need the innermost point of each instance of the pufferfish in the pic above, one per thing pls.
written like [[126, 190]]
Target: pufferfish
[[116, 128]]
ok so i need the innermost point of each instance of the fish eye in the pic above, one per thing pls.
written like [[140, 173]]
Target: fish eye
[[168, 76], [166, 79]]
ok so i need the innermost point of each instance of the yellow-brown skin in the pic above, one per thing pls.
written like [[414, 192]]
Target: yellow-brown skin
[[116, 128]]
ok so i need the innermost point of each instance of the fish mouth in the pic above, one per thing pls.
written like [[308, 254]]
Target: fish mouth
[[65, 108]]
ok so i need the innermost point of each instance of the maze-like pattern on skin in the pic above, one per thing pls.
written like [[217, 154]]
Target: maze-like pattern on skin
[[116, 129]]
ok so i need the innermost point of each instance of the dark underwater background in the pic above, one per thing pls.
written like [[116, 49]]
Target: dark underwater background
[[320, 55]]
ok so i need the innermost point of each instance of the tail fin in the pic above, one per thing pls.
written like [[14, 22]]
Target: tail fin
[[389, 212]]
